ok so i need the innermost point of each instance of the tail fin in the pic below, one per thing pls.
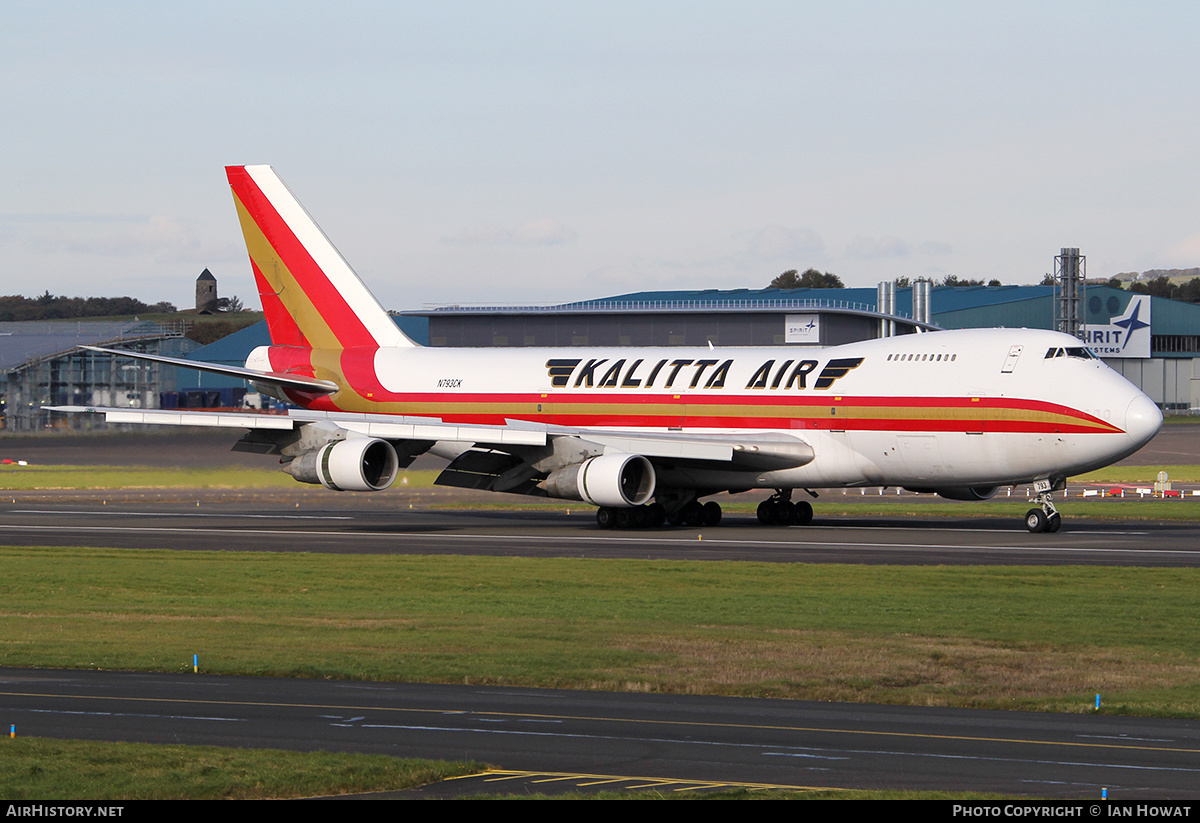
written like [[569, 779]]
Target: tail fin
[[310, 295]]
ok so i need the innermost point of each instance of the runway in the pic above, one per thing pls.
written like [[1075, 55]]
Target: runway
[[590, 739], [213, 521]]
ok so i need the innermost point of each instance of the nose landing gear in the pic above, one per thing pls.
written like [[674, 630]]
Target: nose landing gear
[[1047, 518]]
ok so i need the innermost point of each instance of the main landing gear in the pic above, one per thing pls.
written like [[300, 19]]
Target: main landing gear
[[1047, 518], [779, 510], [692, 513]]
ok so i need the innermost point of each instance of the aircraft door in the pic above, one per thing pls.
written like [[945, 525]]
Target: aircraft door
[[1010, 362]]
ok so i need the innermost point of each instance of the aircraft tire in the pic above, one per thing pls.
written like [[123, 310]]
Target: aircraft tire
[[712, 513], [1036, 521], [606, 517], [784, 512], [656, 515], [1054, 523], [767, 513], [692, 514], [802, 514]]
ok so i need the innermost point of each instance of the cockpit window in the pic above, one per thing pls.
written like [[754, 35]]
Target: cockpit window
[[1071, 351]]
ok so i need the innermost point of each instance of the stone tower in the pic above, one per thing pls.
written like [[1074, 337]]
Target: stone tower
[[206, 293]]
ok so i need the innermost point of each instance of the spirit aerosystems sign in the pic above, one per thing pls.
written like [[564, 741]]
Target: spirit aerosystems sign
[[802, 328], [1125, 336]]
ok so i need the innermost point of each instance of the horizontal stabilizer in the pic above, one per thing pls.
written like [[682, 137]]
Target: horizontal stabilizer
[[297, 382]]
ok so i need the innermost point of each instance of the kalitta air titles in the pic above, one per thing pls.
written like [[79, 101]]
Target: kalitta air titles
[[629, 373]]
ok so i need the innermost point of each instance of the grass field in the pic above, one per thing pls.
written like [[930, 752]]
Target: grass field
[[38, 769], [1045, 638]]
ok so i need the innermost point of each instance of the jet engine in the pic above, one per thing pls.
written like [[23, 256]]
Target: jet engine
[[620, 480], [357, 464], [967, 492]]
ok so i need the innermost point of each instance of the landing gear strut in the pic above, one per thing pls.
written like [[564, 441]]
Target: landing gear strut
[[1047, 518]]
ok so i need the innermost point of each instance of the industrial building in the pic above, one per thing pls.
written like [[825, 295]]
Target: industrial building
[[44, 366]]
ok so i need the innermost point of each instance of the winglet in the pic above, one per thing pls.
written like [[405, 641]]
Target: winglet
[[310, 295]]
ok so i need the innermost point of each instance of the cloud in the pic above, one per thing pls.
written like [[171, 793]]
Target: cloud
[[1185, 252], [934, 248], [156, 236], [775, 242], [877, 248], [543, 232]]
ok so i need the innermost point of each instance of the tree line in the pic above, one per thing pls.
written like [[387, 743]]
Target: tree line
[[813, 279], [51, 307]]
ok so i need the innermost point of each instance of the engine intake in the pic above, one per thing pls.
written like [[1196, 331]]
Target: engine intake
[[358, 464], [621, 480]]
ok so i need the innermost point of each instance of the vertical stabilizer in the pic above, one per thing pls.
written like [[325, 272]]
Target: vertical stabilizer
[[310, 295]]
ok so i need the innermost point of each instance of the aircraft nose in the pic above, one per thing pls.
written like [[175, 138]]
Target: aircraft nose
[[1142, 419]]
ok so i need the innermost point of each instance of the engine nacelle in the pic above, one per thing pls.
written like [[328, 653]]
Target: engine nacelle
[[357, 464], [621, 480], [968, 492]]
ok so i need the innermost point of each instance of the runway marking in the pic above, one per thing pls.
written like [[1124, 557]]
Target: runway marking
[[585, 779], [609, 540], [319, 707], [811, 528], [111, 513], [133, 714], [825, 754]]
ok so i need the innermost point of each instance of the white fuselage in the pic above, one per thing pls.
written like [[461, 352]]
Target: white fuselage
[[942, 409]]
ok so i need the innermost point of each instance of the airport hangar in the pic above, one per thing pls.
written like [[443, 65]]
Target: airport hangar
[[1161, 355], [43, 365]]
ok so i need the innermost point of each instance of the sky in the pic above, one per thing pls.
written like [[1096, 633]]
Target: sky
[[536, 152]]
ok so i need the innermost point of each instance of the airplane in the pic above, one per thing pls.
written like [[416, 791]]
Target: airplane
[[645, 434]]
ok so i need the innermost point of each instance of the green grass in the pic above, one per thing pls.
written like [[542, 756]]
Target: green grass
[[32, 478], [41, 769], [1034, 638], [1140, 474]]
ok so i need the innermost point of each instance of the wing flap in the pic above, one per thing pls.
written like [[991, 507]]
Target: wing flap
[[167, 417], [750, 452]]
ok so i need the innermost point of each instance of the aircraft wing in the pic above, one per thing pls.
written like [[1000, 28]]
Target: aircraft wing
[[384, 426], [511, 458], [761, 451]]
